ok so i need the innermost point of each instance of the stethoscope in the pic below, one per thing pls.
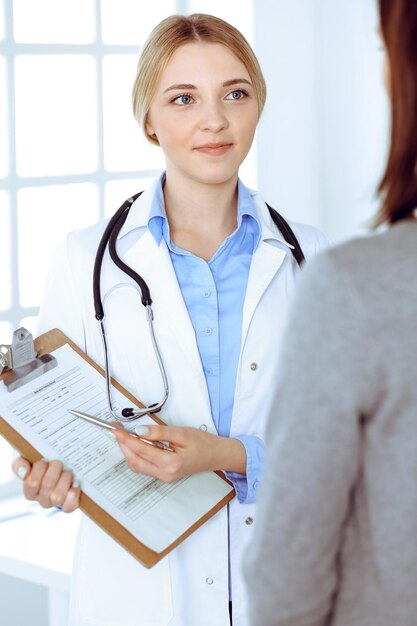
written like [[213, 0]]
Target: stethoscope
[[109, 239]]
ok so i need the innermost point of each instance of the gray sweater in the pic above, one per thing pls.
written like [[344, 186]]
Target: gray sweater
[[336, 539]]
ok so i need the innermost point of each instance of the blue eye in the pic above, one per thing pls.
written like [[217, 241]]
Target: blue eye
[[183, 99], [236, 95]]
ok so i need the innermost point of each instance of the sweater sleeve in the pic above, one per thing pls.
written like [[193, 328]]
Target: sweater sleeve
[[312, 453]]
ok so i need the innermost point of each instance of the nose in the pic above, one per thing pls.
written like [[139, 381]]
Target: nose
[[213, 118]]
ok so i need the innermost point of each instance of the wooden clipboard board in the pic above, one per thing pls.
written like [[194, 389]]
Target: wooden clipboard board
[[47, 343]]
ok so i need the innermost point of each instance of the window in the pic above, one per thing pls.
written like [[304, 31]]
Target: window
[[70, 149]]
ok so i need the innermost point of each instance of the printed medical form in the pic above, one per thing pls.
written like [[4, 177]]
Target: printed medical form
[[154, 512]]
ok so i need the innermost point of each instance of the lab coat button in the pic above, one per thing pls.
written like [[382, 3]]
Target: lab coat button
[[209, 581], [207, 293], [208, 331], [253, 366], [256, 484], [203, 427], [249, 521]]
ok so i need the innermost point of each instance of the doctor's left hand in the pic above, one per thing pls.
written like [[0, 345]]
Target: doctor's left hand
[[49, 483], [194, 451]]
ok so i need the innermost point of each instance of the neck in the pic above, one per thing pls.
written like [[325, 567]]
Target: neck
[[200, 216], [197, 206]]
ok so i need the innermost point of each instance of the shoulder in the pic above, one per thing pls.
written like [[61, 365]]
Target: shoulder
[[311, 239], [356, 291], [362, 265], [392, 243], [378, 262], [85, 241], [80, 246], [87, 238]]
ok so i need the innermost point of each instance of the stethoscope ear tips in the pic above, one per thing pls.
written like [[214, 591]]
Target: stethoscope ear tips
[[129, 412]]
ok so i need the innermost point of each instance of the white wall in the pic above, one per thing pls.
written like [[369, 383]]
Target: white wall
[[322, 140]]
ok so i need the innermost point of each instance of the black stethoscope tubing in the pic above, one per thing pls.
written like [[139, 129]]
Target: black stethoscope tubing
[[109, 239]]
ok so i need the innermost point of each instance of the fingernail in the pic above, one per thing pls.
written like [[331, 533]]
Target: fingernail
[[22, 471], [142, 430], [76, 483]]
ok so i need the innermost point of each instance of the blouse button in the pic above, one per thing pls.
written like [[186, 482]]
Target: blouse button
[[249, 521], [253, 366], [209, 581], [203, 427]]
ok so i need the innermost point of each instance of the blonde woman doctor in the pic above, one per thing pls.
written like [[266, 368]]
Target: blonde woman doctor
[[220, 275]]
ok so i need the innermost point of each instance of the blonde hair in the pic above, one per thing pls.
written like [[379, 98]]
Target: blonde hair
[[168, 36]]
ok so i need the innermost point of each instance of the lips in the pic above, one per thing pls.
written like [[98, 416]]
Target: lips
[[215, 149]]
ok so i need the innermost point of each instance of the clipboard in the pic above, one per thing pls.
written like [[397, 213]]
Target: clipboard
[[46, 343]]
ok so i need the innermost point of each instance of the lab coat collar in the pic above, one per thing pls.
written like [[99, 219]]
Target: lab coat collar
[[159, 226], [139, 214], [269, 230], [139, 211]]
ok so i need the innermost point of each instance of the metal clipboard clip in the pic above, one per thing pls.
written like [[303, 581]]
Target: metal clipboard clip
[[20, 363]]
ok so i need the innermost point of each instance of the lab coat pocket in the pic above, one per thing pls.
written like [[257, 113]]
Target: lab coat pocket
[[111, 588]]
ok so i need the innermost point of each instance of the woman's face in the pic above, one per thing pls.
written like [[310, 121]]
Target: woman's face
[[204, 113]]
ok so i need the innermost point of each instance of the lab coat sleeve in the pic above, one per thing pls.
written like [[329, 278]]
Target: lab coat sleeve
[[313, 452], [322, 243], [61, 302], [246, 486]]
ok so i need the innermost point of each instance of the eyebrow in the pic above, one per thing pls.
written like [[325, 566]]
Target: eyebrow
[[227, 83]]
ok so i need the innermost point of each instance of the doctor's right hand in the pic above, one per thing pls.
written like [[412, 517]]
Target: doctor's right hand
[[48, 483]]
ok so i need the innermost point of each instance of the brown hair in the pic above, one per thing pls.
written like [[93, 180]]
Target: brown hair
[[175, 31], [398, 187]]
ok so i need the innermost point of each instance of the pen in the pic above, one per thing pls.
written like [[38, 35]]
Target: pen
[[99, 422]]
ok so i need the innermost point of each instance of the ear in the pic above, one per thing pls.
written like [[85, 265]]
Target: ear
[[149, 128]]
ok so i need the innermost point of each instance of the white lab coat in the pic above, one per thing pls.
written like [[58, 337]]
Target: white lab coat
[[190, 587]]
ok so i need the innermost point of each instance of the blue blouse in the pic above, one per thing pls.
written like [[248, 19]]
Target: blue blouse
[[214, 293]]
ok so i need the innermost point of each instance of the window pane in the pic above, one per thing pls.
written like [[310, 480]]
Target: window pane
[[117, 191], [56, 127], [247, 171], [6, 457], [4, 125], [49, 21], [45, 215], [6, 332], [30, 323], [5, 237], [2, 25], [129, 22], [6, 452], [125, 147]]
